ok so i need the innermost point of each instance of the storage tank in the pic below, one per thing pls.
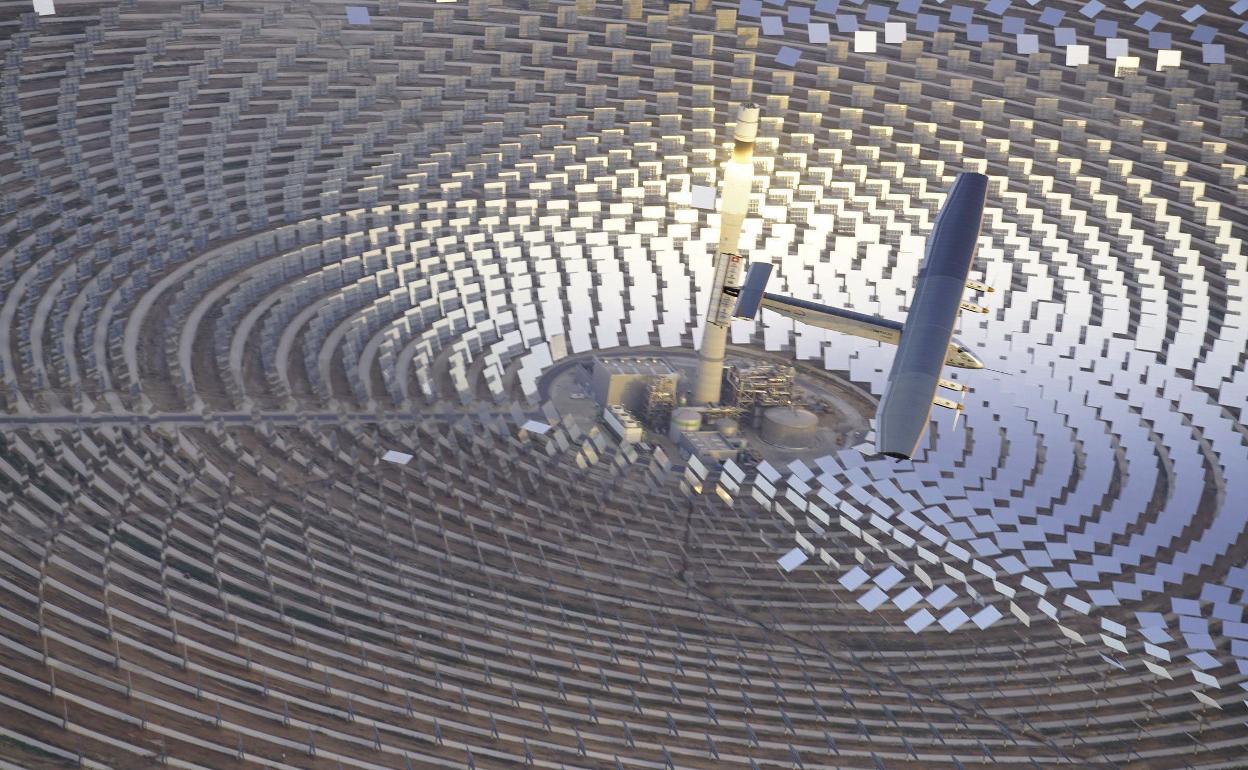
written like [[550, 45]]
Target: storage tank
[[727, 427], [684, 420], [790, 427]]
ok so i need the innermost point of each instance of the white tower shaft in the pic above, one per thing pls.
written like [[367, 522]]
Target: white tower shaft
[[734, 203]]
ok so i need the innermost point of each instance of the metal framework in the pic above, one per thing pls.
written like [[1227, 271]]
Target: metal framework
[[660, 401], [762, 385]]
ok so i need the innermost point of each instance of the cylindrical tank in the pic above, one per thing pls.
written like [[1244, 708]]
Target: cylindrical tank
[[727, 427], [790, 427], [684, 420]]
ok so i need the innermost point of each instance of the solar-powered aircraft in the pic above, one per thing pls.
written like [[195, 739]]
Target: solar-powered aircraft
[[925, 342]]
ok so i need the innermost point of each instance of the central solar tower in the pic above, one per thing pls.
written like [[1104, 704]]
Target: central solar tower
[[734, 203]]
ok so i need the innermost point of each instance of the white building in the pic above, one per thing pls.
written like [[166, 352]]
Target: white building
[[625, 381], [623, 424]]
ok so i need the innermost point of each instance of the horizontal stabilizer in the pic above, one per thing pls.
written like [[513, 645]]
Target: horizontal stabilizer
[[750, 295]]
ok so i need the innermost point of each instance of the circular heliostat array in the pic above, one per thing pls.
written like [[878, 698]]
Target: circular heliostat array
[[280, 484]]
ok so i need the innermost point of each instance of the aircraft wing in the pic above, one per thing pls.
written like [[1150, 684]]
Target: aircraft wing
[[906, 407]]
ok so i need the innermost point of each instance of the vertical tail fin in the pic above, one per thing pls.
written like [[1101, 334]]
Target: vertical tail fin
[[751, 292]]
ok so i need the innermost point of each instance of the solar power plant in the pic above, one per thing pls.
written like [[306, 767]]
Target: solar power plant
[[296, 297]]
